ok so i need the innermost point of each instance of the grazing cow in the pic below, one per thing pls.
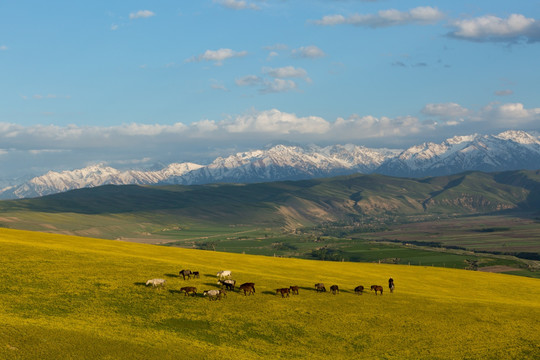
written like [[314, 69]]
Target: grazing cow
[[334, 289], [283, 291], [294, 289], [189, 289], [320, 287], [359, 289], [229, 284], [377, 288], [214, 294], [185, 273], [195, 274], [248, 288], [224, 274], [156, 282]]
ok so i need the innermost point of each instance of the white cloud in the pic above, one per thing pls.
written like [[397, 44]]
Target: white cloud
[[510, 115], [492, 28], [285, 72], [363, 127], [311, 52], [249, 80], [3, 47], [278, 86], [217, 56], [237, 4], [420, 15], [216, 85], [267, 86], [506, 115], [114, 27], [445, 110], [141, 14], [276, 122]]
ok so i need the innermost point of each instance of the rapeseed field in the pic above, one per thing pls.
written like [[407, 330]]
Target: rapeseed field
[[65, 297]]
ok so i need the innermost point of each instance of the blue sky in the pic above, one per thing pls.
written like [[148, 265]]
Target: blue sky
[[140, 82]]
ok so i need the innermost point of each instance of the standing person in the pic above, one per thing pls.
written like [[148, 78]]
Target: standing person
[[391, 284]]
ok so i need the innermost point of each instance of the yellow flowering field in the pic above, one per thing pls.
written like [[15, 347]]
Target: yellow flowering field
[[65, 297]]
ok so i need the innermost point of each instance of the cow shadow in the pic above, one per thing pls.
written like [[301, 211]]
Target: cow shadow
[[172, 275], [209, 275], [176, 292], [139, 283], [269, 292]]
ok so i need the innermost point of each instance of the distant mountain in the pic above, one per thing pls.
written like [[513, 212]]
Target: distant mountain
[[288, 163], [510, 150], [277, 163], [96, 175]]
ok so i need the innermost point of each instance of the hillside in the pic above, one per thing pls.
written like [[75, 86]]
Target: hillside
[[70, 297], [289, 204]]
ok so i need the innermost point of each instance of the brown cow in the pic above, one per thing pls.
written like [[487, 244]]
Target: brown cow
[[294, 289]]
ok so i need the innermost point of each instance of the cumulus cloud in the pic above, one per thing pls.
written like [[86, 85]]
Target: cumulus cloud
[[3, 47], [276, 122], [505, 115], [278, 86], [422, 15], [515, 28], [249, 80], [237, 4], [217, 56], [445, 110], [141, 14], [510, 114], [311, 52], [278, 83], [285, 72]]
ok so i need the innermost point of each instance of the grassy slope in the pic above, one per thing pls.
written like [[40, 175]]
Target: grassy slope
[[80, 298]]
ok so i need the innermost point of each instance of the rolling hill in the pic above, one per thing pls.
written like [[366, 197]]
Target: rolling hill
[[83, 298], [288, 204]]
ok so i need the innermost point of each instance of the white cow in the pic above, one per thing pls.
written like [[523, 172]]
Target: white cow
[[156, 282], [224, 274]]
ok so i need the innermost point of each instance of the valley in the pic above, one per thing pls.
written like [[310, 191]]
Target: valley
[[470, 220]]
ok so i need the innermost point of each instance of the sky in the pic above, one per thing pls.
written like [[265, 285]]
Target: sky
[[136, 83]]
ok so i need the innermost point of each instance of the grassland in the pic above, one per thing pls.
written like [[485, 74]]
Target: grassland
[[66, 297]]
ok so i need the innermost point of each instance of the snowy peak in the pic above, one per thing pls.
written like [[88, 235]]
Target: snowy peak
[[509, 150]]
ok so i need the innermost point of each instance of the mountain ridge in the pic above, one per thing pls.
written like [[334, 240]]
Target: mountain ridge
[[509, 150]]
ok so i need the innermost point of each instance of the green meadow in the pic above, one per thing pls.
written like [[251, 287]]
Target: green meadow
[[67, 297]]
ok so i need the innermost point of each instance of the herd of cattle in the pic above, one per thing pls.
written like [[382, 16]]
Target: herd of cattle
[[228, 284]]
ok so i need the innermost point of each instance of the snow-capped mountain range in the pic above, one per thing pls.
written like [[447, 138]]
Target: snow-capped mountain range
[[510, 150]]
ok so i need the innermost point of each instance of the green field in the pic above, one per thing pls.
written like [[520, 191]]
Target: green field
[[66, 297]]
